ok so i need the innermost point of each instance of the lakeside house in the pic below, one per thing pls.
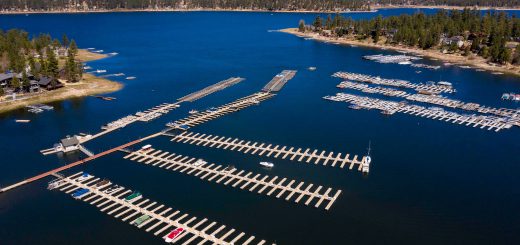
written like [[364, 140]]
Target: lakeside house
[[67, 144], [45, 82]]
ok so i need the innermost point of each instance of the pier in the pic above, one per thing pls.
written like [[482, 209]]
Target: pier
[[161, 219], [277, 83], [230, 176], [420, 87], [273, 151], [434, 113], [432, 99], [211, 89], [74, 164], [213, 113]]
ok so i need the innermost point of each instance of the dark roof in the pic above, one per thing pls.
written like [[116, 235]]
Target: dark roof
[[5, 76], [71, 141], [45, 81]]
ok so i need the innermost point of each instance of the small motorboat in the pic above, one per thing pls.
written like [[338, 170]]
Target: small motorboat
[[267, 164]]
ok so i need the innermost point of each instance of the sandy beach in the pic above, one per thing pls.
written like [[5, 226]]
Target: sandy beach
[[474, 61], [89, 85]]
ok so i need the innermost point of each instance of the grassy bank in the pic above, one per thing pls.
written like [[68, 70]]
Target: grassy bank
[[89, 85]]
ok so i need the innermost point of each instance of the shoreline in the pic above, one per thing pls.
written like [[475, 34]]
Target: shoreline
[[373, 8], [89, 85], [473, 61]]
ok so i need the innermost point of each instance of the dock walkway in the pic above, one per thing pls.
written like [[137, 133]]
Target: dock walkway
[[211, 89], [230, 176], [268, 150], [162, 219], [213, 113], [277, 83], [481, 121]]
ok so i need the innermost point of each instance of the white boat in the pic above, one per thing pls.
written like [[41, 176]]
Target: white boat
[[130, 78], [22, 120], [365, 166], [267, 164], [312, 68], [100, 71], [199, 162], [193, 111]]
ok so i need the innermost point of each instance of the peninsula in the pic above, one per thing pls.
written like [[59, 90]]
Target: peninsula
[[464, 37], [42, 70]]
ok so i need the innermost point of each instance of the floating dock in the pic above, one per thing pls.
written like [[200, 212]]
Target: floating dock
[[435, 113], [270, 150], [431, 99], [277, 83], [420, 87], [161, 220], [211, 89], [230, 176], [213, 113]]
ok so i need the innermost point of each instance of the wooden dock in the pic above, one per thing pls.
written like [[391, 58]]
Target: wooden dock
[[480, 121], [230, 176], [431, 99], [431, 88], [274, 151], [211, 89], [277, 83], [213, 113], [74, 164], [162, 219]]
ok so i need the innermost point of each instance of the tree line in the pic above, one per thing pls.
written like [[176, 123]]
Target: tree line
[[37, 56], [467, 31], [310, 5]]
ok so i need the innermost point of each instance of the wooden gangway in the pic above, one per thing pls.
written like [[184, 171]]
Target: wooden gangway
[[213, 113], [211, 89], [162, 219], [231, 176], [270, 150], [76, 163]]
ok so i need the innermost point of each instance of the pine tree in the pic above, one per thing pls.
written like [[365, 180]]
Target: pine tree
[[65, 40], [301, 26], [15, 82], [73, 48], [71, 68], [52, 63], [317, 23], [25, 80]]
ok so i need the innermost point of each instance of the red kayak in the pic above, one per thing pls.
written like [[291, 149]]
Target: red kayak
[[173, 234]]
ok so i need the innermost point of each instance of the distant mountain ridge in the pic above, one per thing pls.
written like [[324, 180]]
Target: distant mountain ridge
[[268, 5]]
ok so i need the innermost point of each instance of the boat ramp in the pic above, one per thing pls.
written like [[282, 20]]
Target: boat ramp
[[158, 218], [231, 176], [270, 150]]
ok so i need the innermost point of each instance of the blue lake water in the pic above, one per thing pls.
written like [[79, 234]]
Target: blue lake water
[[431, 182]]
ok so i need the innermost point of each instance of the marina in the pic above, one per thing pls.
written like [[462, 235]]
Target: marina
[[274, 151], [149, 215], [233, 177], [432, 99], [419, 87], [434, 113]]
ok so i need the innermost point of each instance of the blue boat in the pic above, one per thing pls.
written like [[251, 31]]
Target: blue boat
[[80, 193]]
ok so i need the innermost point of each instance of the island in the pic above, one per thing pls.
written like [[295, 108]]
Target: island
[[42, 69], [464, 37]]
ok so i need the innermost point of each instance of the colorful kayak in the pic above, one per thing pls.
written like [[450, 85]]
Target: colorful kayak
[[173, 235]]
